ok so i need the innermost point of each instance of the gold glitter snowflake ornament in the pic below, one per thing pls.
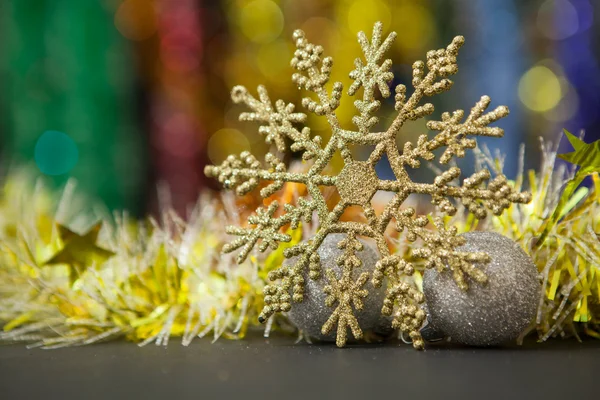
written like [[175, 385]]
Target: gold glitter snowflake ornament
[[357, 183]]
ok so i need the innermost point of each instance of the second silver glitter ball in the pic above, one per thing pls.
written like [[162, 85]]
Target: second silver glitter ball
[[491, 314]]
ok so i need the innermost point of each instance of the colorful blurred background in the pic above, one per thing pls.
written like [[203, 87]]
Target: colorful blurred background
[[129, 95]]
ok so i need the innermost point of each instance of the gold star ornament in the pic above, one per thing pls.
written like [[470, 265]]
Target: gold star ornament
[[79, 252]]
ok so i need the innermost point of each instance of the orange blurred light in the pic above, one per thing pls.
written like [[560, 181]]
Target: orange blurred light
[[325, 29], [136, 19]]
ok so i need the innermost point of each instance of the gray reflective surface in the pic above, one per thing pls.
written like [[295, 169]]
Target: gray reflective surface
[[262, 369]]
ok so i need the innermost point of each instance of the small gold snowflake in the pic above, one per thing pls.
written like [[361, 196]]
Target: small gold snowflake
[[357, 182]]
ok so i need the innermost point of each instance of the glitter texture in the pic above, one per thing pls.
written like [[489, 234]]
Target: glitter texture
[[357, 182], [491, 314], [313, 313]]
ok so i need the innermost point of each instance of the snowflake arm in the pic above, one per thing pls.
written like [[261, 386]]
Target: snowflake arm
[[345, 292], [245, 172], [409, 316], [454, 135], [373, 74], [496, 197], [267, 228], [314, 72], [370, 76], [277, 122], [439, 249], [306, 61], [440, 64], [288, 279]]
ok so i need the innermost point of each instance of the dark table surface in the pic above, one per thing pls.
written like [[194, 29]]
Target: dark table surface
[[258, 368]]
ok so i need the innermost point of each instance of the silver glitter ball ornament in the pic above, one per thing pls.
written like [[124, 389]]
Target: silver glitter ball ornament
[[491, 314], [310, 314]]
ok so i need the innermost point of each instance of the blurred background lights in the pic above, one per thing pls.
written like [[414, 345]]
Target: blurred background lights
[[261, 21], [362, 14], [505, 24], [273, 62], [141, 85], [557, 19], [175, 50], [585, 14], [566, 109], [540, 89], [323, 27], [178, 137], [136, 19], [55, 153], [225, 142], [417, 27]]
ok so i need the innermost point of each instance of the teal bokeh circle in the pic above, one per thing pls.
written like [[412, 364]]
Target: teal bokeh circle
[[55, 153]]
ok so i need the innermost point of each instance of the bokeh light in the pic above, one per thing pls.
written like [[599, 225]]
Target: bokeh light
[[586, 15], [163, 69], [540, 89], [178, 136], [273, 60], [55, 153], [323, 28], [261, 21], [175, 50], [136, 19], [568, 106], [417, 27], [224, 142], [362, 14], [236, 66], [557, 19]]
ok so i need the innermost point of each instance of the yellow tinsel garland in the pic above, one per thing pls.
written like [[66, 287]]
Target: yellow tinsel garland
[[566, 249], [147, 281], [152, 280]]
